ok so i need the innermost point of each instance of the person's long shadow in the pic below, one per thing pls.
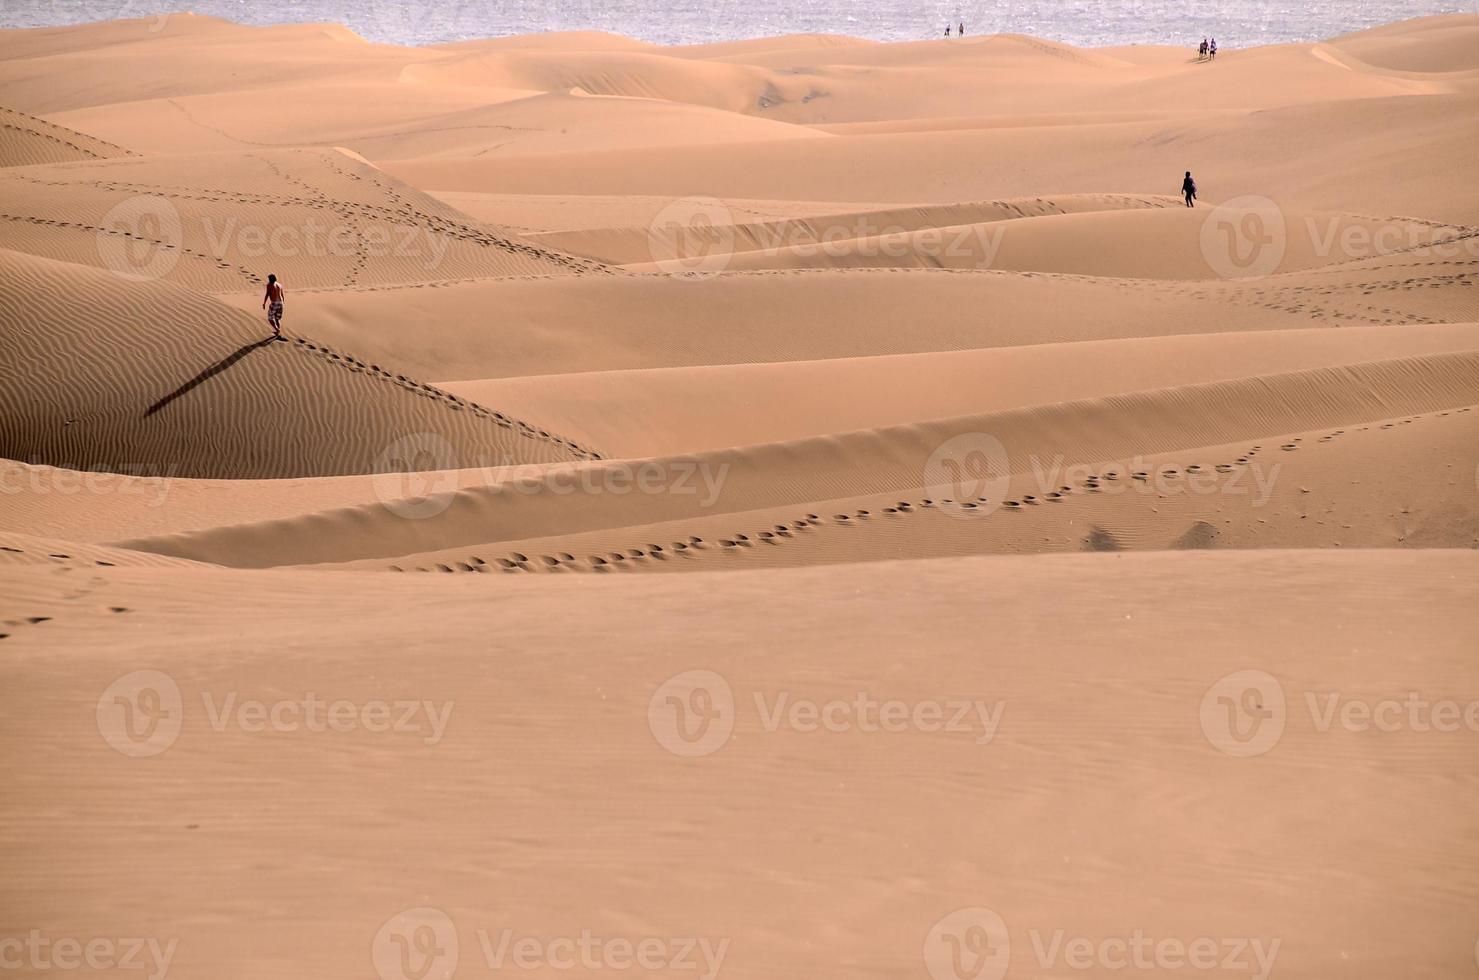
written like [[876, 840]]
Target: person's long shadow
[[204, 376]]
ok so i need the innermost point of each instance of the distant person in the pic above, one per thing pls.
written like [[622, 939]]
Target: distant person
[[961, 32], [1189, 190], [1202, 51], [274, 313], [1212, 49], [947, 30]]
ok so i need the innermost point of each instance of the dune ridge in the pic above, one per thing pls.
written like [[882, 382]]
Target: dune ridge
[[890, 459], [207, 390], [26, 140]]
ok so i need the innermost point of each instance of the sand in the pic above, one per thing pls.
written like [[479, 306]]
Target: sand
[[792, 507]]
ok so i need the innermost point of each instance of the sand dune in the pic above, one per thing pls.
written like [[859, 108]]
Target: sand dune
[[678, 233], [912, 349], [885, 460], [733, 88], [1234, 496], [628, 413], [422, 121], [1262, 155], [313, 217], [599, 323], [26, 140], [1164, 243], [100, 372], [1075, 776], [1431, 45]]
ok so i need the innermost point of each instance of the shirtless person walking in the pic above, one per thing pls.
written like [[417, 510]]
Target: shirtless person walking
[[274, 313]]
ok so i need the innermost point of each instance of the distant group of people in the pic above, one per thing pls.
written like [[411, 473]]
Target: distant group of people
[[1208, 50], [961, 31]]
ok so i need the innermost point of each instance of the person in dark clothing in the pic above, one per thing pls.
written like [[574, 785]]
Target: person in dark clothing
[[1189, 190]]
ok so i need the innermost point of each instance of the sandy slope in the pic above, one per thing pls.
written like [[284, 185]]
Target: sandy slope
[[548, 807], [734, 405], [222, 222], [27, 140], [109, 374], [912, 349]]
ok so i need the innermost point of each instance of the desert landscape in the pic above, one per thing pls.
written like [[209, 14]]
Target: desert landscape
[[792, 508]]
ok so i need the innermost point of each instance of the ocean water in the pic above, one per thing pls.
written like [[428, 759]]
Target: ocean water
[[1235, 23]]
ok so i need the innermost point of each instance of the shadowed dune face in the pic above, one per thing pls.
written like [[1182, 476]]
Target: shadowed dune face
[[101, 373], [914, 350]]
